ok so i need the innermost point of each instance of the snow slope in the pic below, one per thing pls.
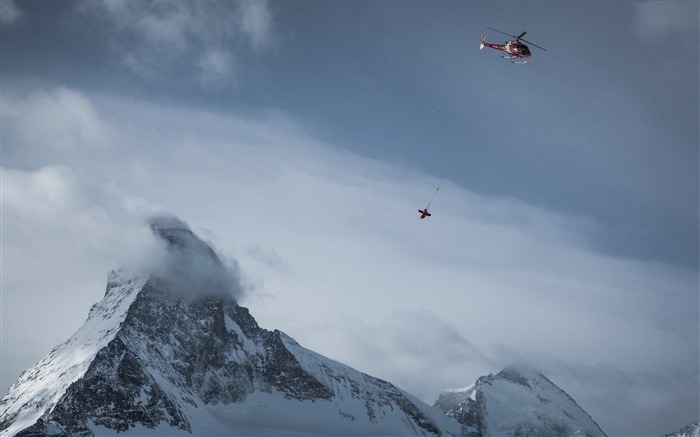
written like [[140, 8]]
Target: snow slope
[[40, 388], [518, 401]]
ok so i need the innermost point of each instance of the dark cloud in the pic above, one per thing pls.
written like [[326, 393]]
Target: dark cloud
[[194, 39]]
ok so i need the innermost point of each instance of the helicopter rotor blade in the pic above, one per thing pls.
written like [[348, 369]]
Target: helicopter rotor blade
[[491, 28], [517, 37], [533, 44]]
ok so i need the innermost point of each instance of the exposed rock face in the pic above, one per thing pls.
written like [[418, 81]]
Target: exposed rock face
[[517, 402], [155, 358]]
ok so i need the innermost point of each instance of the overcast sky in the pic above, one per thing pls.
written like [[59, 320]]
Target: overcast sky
[[299, 138]]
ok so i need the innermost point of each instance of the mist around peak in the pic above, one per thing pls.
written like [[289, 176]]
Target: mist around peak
[[188, 266]]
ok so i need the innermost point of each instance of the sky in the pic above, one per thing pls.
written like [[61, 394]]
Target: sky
[[299, 139]]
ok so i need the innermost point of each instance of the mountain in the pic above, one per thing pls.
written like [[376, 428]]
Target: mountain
[[690, 430], [172, 353], [518, 401]]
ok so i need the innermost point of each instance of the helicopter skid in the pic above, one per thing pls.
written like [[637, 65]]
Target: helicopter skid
[[515, 59]]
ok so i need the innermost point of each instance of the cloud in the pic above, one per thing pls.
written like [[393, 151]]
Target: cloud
[[617, 397], [217, 67], [658, 19], [341, 261], [60, 237], [47, 126], [404, 345], [159, 40], [256, 23], [267, 256], [54, 218], [10, 13]]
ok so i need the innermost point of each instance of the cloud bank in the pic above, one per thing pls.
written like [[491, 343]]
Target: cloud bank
[[339, 258]]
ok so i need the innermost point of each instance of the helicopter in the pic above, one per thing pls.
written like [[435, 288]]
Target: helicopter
[[514, 50]]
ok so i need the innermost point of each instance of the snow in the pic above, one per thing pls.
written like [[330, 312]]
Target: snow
[[50, 378], [337, 375], [272, 412], [265, 414], [690, 430], [468, 392], [510, 405], [460, 390], [517, 401], [247, 344], [163, 429]]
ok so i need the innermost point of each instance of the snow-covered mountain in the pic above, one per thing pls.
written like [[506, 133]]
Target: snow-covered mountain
[[690, 430], [518, 401], [172, 353]]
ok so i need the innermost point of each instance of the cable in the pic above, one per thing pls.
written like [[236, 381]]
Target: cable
[[452, 162]]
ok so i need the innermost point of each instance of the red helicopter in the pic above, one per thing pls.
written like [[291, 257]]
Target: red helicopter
[[513, 49]]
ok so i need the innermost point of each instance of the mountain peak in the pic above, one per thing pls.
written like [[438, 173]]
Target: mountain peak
[[690, 430], [172, 352], [41, 388], [519, 400], [521, 374], [189, 266], [178, 235]]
